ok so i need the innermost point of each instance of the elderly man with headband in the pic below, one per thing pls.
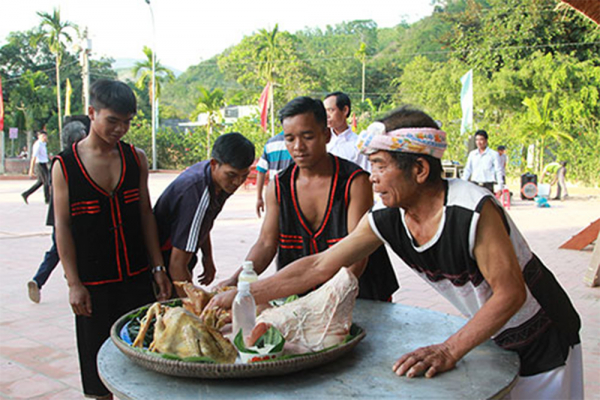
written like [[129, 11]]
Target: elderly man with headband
[[459, 240]]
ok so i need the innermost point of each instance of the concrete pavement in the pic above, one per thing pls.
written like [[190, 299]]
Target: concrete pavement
[[38, 357]]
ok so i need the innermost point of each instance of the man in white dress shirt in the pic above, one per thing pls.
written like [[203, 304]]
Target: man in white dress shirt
[[39, 163], [343, 140], [483, 165]]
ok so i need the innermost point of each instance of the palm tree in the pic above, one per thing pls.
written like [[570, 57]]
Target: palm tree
[[539, 124], [209, 102], [144, 70], [56, 32]]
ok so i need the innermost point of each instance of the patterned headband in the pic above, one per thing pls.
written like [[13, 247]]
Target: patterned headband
[[428, 141]]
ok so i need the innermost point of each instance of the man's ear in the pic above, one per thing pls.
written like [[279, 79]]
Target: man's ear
[[421, 170], [327, 133], [91, 113], [346, 111]]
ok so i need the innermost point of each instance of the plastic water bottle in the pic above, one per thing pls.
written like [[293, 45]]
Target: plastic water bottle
[[247, 274], [244, 310]]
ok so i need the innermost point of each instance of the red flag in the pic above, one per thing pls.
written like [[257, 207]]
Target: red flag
[[354, 124], [263, 104], [1, 107]]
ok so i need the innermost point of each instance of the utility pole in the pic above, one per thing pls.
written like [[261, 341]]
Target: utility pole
[[86, 49], [153, 99]]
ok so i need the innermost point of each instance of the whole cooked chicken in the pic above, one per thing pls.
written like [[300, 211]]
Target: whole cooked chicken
[[179, 332], [318, 320], [196, 303]]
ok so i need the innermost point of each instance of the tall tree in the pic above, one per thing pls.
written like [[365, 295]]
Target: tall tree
[[209, 102], [142, 70], [55, 31], [251, 60], [29, 101]]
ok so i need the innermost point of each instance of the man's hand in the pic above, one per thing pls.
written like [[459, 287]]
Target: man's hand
[[226, 282], [31, 174], [164, 286], [260, 206], [80, 300], [429, 360], [208, 275], [222, 300]]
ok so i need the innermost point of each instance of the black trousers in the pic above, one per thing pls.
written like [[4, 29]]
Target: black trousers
[[43, 178], [488, 185], [109, 303]]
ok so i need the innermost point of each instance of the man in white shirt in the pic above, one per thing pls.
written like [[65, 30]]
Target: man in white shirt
[[503, 161], [39, 161], [343, 140], [483, 164]]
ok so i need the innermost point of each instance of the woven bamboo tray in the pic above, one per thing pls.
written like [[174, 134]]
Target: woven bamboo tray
[[284, 366]]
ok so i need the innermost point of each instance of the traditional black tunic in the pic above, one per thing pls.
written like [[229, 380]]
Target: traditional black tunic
[[297, 239]]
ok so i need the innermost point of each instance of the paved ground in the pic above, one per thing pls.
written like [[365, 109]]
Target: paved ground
[[38, 357]]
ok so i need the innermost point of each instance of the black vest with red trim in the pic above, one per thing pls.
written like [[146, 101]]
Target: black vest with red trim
[[106, 228], [297, 239]]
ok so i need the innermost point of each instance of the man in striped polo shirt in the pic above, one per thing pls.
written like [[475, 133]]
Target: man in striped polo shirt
[[186, 211], [275, 158]]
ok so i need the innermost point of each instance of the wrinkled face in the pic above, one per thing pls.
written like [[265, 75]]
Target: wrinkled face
[[109, 125], [480, 142], [389, 181], [226, 177], [336, 118], [305, 139]]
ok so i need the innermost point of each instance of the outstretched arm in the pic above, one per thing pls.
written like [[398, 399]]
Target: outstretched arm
[[498, 263], [308, 272]]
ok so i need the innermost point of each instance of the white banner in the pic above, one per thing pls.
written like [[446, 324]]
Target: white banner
[[466, 102]]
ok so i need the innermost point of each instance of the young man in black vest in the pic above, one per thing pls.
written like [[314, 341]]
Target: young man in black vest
[[105, 230], [315, 202]]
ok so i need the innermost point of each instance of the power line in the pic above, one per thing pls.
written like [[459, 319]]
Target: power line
[[62, 66], [514, 47]]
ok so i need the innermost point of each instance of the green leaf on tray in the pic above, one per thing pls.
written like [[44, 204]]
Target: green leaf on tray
[[280, 302], [271, 338], [355, 330]]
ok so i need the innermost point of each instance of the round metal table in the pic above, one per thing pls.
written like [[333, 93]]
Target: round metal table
[[392, 330]]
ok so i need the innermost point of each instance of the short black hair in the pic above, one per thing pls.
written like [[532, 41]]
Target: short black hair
[[341, 100], [113, 95], [501, 148], [304, 105], [482, 133], [410, 117], [234, 149]]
